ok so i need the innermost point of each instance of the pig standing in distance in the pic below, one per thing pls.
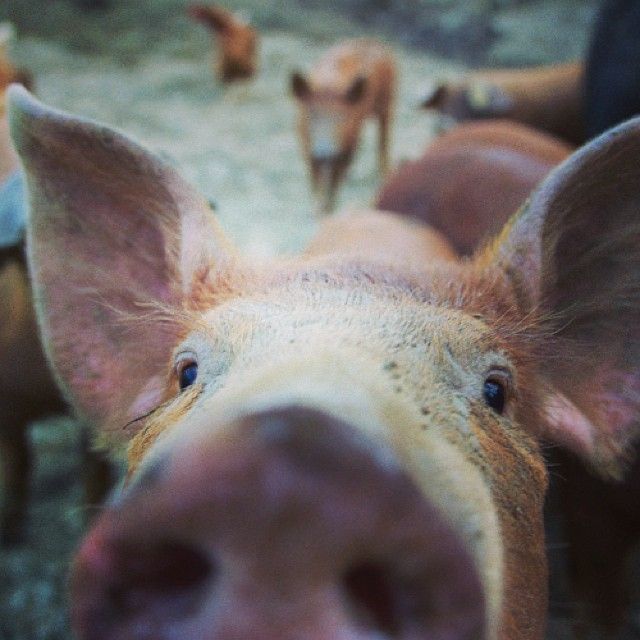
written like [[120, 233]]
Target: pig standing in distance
[[549, 98], [339, 445], [352, 81], [237, 42]]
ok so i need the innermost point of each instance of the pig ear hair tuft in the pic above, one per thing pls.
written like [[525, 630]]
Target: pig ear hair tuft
[[572, 255], [356, 91]]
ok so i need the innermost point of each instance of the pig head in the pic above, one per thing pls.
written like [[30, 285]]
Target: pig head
[[339, 445]]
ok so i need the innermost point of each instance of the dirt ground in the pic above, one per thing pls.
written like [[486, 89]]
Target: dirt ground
[[145, 68]]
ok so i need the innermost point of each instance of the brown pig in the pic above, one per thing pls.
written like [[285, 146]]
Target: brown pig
[[236, 57], [342, 445], [471, 178], [549, 98], [352, 81], [27, 389]]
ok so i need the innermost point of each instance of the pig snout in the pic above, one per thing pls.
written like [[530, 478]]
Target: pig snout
[[287, 524], [326, 171]]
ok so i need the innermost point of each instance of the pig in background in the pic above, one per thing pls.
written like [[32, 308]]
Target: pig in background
[[352, 81], [548, 98], [575, 101], [263, 402], [471, 179], [236, 52], [27, 389]]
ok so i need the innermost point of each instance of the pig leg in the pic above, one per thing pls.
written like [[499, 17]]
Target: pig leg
[[16, 463], [383, 141]]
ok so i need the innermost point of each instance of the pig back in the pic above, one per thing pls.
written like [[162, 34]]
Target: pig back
[[380, 236], [472, 179]]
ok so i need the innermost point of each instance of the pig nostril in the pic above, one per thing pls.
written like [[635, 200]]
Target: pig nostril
[[167, 579], [371, 598]]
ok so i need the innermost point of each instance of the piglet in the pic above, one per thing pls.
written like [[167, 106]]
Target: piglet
[[352, 81]]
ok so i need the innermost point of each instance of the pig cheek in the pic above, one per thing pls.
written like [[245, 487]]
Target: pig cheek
[[159, 425], [517, 478]]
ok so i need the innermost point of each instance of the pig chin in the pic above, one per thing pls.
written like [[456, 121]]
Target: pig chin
[[286, 521]]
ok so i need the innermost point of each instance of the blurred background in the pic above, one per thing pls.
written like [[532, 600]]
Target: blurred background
[[145, 67]]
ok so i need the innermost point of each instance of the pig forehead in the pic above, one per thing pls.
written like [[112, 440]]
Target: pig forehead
[[359, 316]]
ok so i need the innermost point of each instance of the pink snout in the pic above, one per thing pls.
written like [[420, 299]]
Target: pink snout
[[289, 525]]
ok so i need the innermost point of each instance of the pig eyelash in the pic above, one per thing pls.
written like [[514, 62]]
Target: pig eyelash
[[145, 415], [151, 412], [188, 396]]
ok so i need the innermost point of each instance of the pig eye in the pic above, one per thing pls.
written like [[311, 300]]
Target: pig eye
[[495, 393], [187, 373]]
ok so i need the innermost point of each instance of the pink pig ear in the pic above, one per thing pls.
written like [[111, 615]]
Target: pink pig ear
[[573, 256], [114, 234]]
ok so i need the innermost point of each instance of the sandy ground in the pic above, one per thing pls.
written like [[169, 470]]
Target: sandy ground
[[146, 69]]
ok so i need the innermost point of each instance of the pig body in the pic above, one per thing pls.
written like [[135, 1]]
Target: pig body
[[237, 42], [471, 179], [351, 82], [28, 391], [26, 386], [546, 98], [339, 445]]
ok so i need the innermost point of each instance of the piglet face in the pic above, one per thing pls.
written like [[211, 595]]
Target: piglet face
[[329, 123]]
